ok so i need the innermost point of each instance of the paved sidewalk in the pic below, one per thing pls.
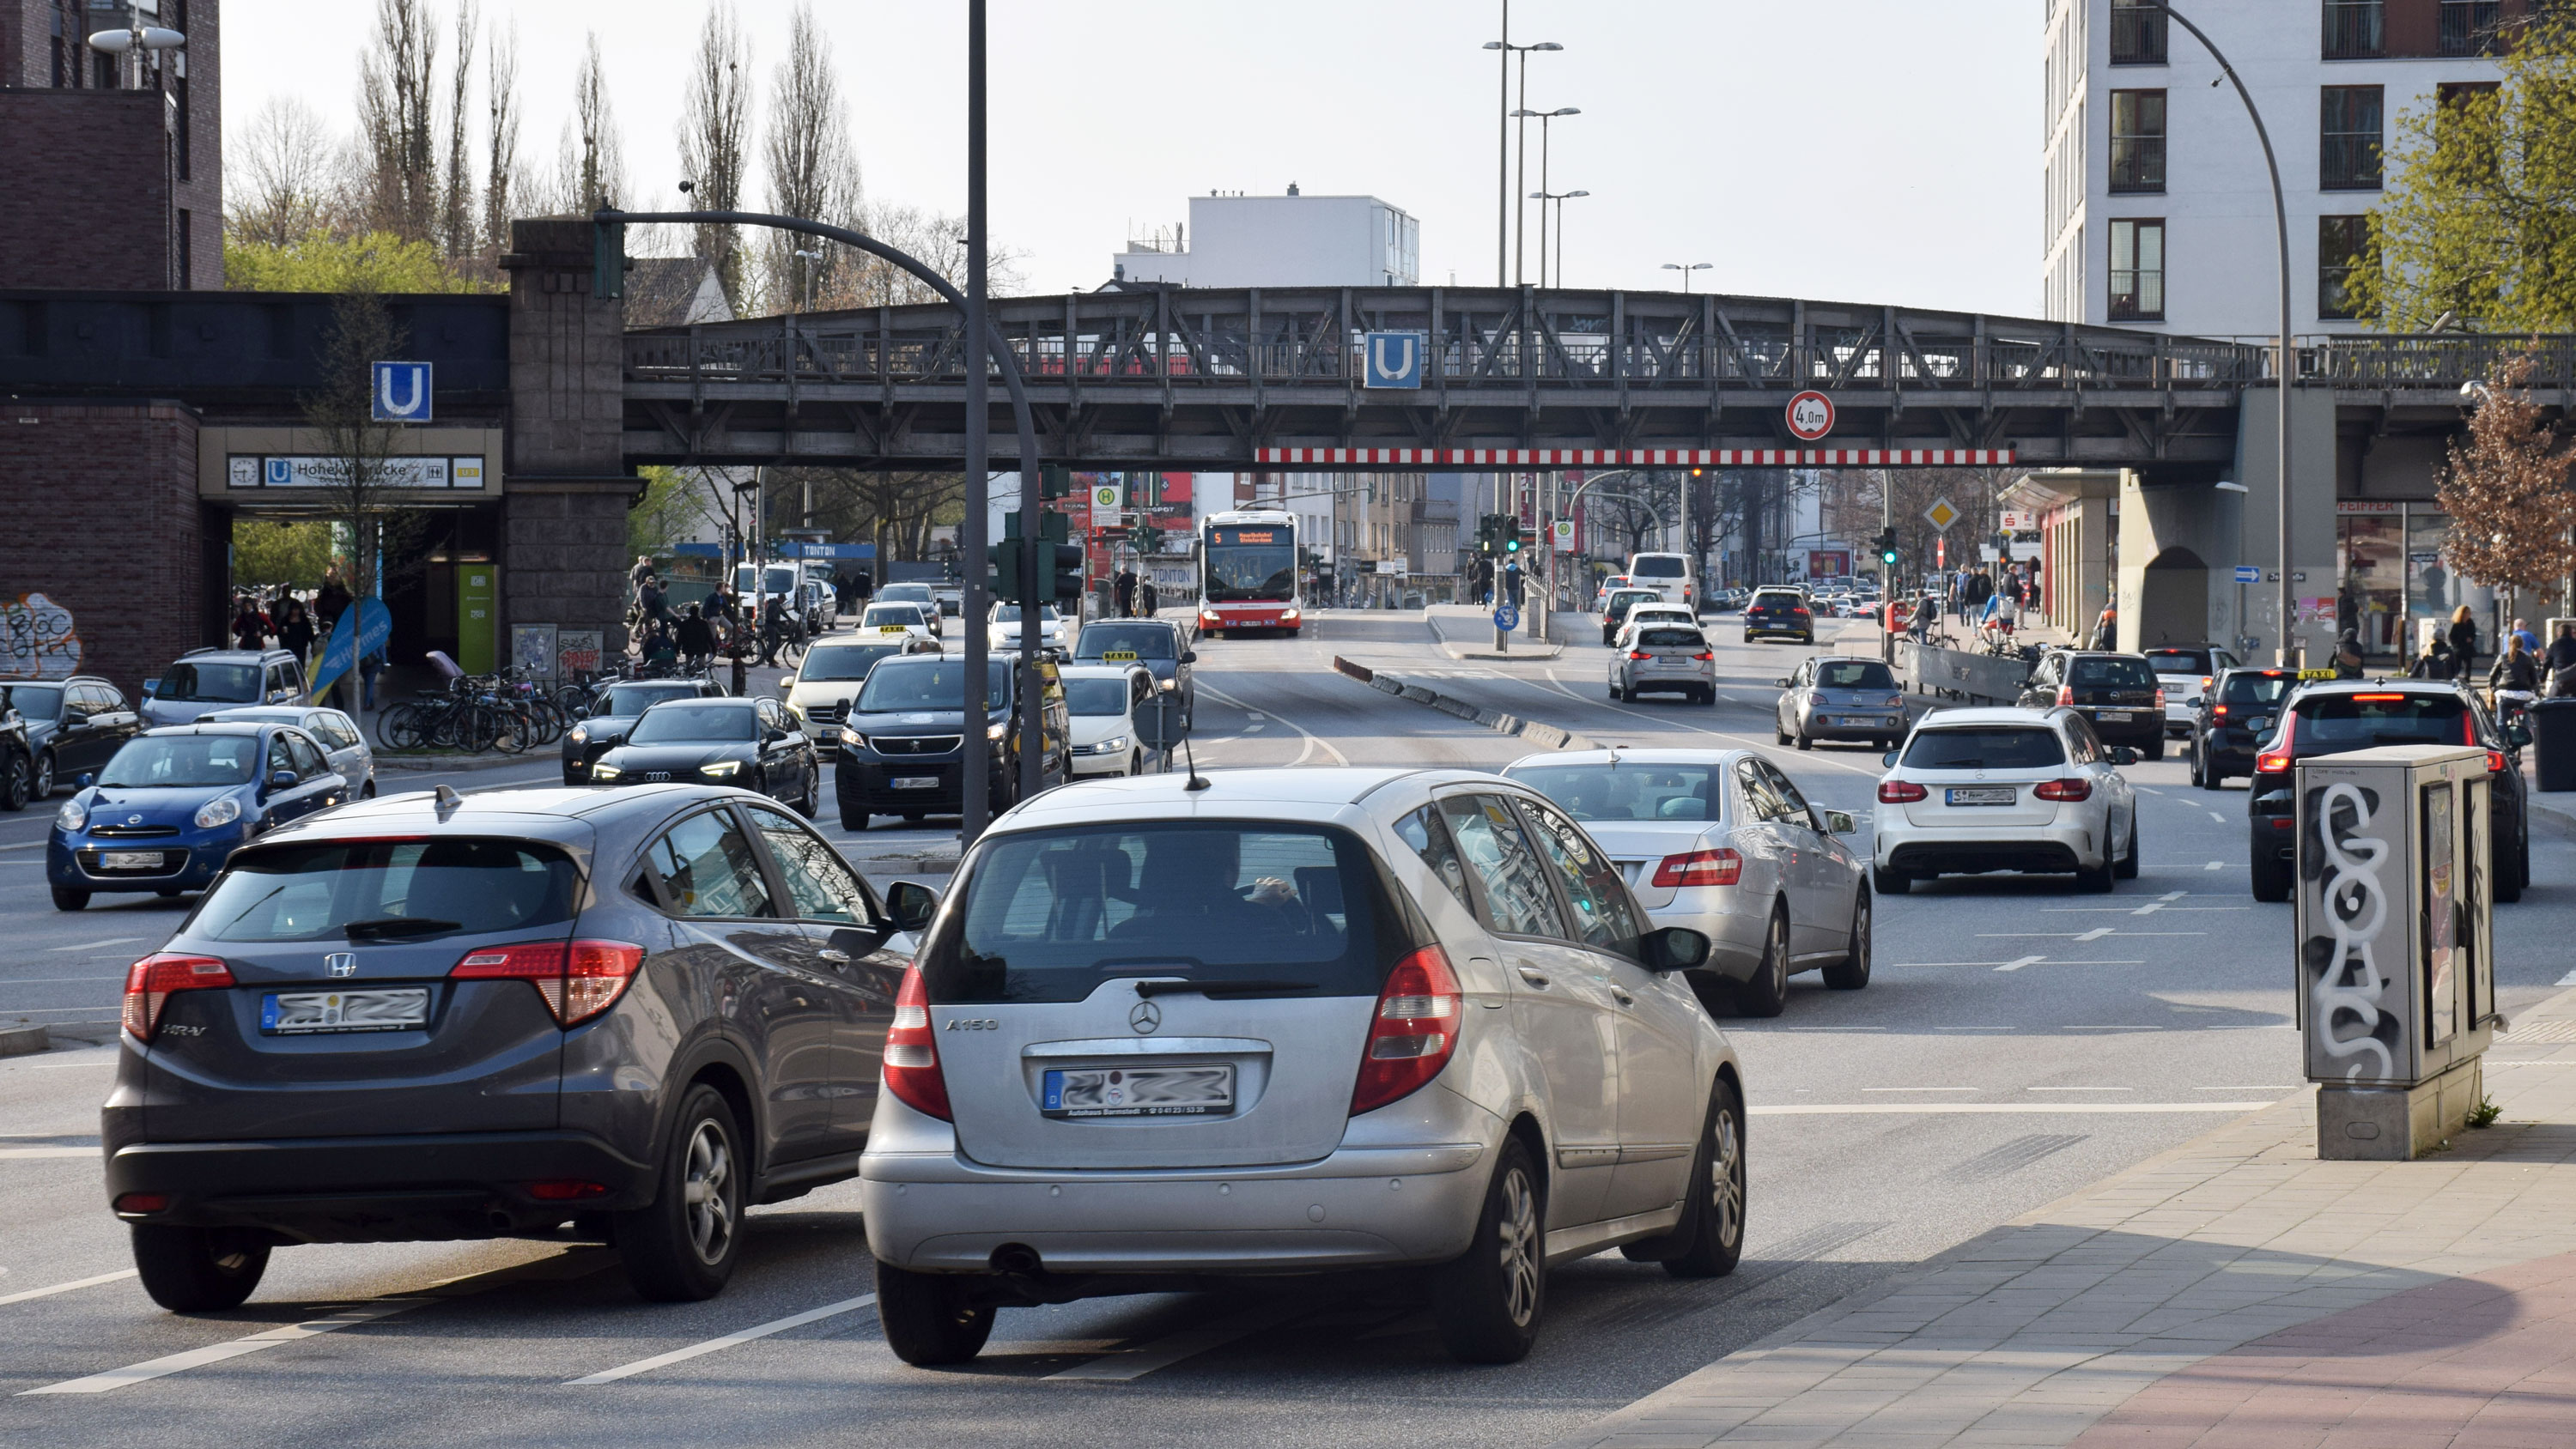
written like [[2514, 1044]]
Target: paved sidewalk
[[2235, 1291]]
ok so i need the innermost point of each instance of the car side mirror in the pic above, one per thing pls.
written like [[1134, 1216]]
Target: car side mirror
[[73, 717], [86, 781], [1839, 822], [1782, 683], [2122, 755], [772, 735], [281, 779], [911, 904], [581, 711], [2518, 735], [1888, 759], [1674, 948], [1189, 656]]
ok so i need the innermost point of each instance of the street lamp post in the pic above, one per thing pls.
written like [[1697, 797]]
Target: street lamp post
[[1560, 198], [811, 261], [1686, 271], [1541, 195], [2287, 362]]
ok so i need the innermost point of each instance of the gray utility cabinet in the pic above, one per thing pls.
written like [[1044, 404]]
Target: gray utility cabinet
[[2394, 912]]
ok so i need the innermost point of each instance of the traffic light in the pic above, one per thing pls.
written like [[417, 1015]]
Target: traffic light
[[1887, 547], [1003, 581], [1065, 574], [607, 259], [1054, 481], [1511, 532]]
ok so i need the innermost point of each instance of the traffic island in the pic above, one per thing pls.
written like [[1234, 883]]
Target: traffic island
[[21, 1041]]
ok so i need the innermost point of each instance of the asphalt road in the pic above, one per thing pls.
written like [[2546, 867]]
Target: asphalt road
[[2018, 1042]]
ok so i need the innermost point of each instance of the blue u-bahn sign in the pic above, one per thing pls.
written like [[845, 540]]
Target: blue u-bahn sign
[[1392, 359]]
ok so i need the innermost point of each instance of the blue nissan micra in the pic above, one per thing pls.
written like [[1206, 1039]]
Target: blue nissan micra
[[175, 803]]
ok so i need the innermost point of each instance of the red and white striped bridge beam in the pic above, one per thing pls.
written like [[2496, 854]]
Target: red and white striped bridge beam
[[1636, 457]]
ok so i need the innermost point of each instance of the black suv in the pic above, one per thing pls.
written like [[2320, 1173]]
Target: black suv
[[2332, 718], [903, 742], [2231, 719], [613, 712], [75, 726], [433, 1017], [1779, 613], [2116, 693]]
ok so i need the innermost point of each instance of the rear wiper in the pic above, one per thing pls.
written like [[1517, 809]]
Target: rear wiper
[[1222, 988], [378, 930]]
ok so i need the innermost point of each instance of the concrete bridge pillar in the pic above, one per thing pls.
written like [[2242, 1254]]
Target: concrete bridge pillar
[[567, 488]]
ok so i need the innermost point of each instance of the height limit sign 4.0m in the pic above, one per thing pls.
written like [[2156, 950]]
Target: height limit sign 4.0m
[[1811, 416]]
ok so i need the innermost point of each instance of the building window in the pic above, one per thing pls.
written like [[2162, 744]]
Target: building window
[[2137, 140], [2137, 270], [2355, 29], [2469, 27], [187, 274], [2343, 246], [2137, 32], [2349, 139]]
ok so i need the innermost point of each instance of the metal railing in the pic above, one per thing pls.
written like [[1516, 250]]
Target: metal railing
[[2470, 27], [2355, 29]]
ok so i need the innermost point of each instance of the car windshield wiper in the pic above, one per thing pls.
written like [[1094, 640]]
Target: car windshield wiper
[[378, 930], [1222, 988]]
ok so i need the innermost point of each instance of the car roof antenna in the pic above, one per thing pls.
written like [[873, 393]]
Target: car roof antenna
[[1197, 781], [448, 800]]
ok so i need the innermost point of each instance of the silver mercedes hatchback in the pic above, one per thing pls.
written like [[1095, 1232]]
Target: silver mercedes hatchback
[[1292, 1021]]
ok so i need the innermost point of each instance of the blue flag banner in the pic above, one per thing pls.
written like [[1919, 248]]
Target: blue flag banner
[[363, 629]]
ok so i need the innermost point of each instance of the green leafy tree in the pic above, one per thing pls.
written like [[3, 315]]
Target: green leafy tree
[[377, 262], [269, 552], [2478, 224]]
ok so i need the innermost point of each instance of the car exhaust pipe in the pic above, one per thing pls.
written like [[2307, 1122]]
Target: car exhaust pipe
[[1018, 1260]]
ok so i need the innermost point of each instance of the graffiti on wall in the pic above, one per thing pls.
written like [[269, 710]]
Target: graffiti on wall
[[37, 639], [2355, 1025]]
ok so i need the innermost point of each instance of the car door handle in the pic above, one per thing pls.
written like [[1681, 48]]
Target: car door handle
[[1532, 975], [836, 957], [1622, 997]]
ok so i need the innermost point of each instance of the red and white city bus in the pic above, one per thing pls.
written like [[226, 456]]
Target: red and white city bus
[[1248, 572]]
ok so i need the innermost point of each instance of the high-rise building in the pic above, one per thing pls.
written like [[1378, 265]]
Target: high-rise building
[[1279, 241], [115, 162], [2157, 211]]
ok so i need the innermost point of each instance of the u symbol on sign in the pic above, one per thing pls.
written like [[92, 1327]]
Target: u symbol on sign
[[1397, 364], [406, 405]]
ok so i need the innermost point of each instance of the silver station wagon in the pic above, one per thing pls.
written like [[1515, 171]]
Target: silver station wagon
[[1292, 1021]]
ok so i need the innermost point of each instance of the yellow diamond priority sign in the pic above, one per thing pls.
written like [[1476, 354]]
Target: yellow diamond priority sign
[[1941, 514]]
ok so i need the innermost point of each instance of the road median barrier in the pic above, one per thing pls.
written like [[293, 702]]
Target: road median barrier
[[1500, 723]]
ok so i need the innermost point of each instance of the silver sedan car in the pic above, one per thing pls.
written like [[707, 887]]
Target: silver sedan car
[[1721, 842], [1663, 656], [1292, 1021], [1838, 698], [343, 746]]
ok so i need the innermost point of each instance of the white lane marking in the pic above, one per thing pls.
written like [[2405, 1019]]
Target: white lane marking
[[2150, 789], [29, 1154], [62, 1066], [56, 980], [2215, 865], [30, 845], [712, 1345], [2567, 980], [2024, 961], [94, 945], [2171, 896], [2214, 815], [1764, 747], [2096, 934], [2099, 1089], [1313, 740], [25, 1294], [1918, 1109], [1253, 728], [1162, 1353], [1922, 1089], [333, 1322]]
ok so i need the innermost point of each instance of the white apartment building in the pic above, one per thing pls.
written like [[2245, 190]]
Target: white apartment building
[[1279, 241], [2158, 213]]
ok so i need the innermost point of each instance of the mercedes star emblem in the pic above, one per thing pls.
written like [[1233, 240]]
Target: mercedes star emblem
[[1145, 1017]]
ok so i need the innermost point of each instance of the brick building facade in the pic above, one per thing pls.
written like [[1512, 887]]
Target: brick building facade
[[111, 185], [123, 540]]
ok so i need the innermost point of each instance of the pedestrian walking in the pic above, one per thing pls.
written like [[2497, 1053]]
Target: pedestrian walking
[[2561, 661], [2464, 642], [330, 602], [1125, 591], [2106, 629], [249, 632], [295, 631], [1145, 597], [697, 637]]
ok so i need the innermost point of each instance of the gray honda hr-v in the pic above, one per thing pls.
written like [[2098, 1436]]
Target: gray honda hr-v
[[628, 1013]]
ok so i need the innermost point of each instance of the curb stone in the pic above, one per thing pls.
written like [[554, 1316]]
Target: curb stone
[[1495, 720], [20, 1041], [455, 762]]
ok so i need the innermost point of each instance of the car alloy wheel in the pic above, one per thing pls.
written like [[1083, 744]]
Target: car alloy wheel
[[199, 1270], [17, 782], [706, 1188], [1852, 972], [1722, 1232], [1768, 992], [683, 1247], [44, 785], [1488, 1300]]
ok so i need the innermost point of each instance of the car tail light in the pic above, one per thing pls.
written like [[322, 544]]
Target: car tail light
[[1704, 655], [577, 979], [1413, 1031], [1798, 610], [152, 981], [1639, 654], [2218, 711], [1700, 868], [2378, 698], [912, 1054], [566, 1190], [2064, 790], [2065, 694], [2495, 762], [2277, 761], [2160, 696], [141, 1202], [1898, 792]]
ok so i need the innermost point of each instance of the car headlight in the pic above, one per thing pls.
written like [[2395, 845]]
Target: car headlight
[[998, 730], [218, 812], [605, 771], [74, 816], [578, 734], [853, 738], [1110, 746], [1287, 613], [721, 769]]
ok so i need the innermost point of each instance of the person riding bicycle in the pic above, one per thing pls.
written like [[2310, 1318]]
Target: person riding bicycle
[[774, 629], [2516, 675]]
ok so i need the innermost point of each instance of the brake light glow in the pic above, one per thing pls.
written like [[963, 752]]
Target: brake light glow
[[2065, 695], [1898, 792], [2276, 761], [1412, 1034], [1704, 655], [912, 1053], [2378, 698], [152, 981], [2063, 790], [2218, 711], [1700, 868], [2160, 696], [578, 979], [2495, 762], [1639, 654]]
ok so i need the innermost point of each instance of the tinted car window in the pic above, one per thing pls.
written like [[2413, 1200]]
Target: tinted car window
[[1777, 601], [1998, 747], [1670, 639], [2105, 673], [2178, 661], [403, 888], [210, 683], [1146, 641], [843, 662], [1628, 792], [633, 699], [2331, 722], [819, 884], [1760, 799], [882, 614], [281, 755], [2255, 688], [1096, 696], [1050, 915], [691, 722], [36, 701], [1430, 839], [308, 760], [1592, 886], [1517, 900], [708, 870], [178, 760], [1651, 566], [1853, 674], [922, 682], [1786, 792]]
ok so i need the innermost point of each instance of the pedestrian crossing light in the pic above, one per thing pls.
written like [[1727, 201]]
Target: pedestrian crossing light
[[1511, 535]]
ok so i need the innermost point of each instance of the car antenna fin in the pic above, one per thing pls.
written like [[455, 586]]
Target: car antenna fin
[[448, 800], [1197, 781]]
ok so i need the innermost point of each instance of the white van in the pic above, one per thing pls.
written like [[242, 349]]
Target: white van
[[1668, 574]]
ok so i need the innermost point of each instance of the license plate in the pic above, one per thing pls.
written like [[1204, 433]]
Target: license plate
[[2113, 716], [1982, 795], [130, 860], [290, 1012], [1118, 656], [914, 782], [1138, 1091]]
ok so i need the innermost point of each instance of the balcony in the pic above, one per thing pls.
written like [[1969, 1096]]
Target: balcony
[[2357, 29]]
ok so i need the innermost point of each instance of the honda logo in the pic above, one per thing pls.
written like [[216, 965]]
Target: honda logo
[[340, 963]]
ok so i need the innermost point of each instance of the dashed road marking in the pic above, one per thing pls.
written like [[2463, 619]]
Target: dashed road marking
[[95, 945], [24, 1295], [1926, 1109], [2024, 961], [712, 1345], [114, 1379], [27, 1154]]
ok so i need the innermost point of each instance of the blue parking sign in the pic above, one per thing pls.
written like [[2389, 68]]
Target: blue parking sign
[[1393, 359], [1507, 617], [401, 392]]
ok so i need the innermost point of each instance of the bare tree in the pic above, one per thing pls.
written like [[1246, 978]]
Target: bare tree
[[501, 141], [282, 173], [590, 161], [395, 111], [456, 219], [359, 479], [715, 138], [813, 172]]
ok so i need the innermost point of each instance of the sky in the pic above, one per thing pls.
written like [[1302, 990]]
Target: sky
[[1872, 151]]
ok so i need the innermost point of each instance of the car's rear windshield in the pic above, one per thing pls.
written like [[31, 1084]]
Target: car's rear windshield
[[922, 682], [159, 762], [842, 662], [388, 890], [1854, 674], [209, 683], [1629, 791], [1990, 747], [1276, 909], [1778, 601], [2332, 722], [35, 701], [2099, 673], [1096, 696], [879, 614], [2178, 661], [1652, 566], [727, 720], [915, 593], [1671, 639], [626, 700], [1145, 641], [2255, 688]]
